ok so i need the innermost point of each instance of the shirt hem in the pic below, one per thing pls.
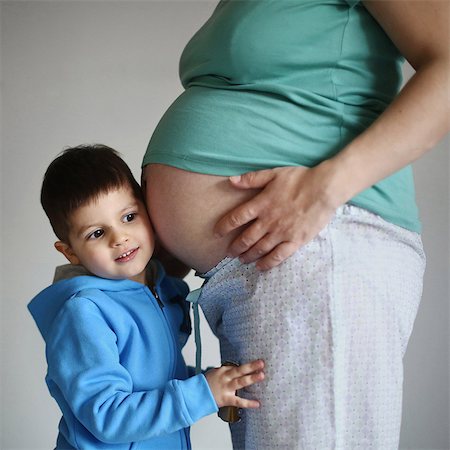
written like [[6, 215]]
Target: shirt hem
[[228, 168]]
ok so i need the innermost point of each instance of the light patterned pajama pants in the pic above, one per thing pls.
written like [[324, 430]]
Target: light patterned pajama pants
[[332, 324]]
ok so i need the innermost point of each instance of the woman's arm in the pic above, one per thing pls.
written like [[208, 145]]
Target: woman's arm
[[420, 115], [297, 202]]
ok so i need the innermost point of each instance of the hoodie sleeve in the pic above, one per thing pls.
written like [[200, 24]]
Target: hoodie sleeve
[[83, 361]]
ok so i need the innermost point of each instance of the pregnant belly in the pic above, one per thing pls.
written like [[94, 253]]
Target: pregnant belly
[[184, 207]]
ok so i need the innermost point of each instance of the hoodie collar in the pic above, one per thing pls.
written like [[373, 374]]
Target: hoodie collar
[[68, 271], [154, 271], [71, 279]]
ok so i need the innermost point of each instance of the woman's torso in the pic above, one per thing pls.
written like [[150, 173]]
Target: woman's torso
[[268, 83]]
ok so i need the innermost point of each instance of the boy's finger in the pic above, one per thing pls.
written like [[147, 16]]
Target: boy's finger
[[247, 368], [246, 403], [246, 380]]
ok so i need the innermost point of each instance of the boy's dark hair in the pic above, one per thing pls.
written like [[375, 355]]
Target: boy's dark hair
[[79, 175]]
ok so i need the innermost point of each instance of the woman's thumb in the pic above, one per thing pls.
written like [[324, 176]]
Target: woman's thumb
[[252, 180]]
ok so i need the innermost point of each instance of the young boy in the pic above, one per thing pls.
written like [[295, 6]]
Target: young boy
[[114, 324]]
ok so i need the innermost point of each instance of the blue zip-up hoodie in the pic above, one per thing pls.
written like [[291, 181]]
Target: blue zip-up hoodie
[[115, 365]]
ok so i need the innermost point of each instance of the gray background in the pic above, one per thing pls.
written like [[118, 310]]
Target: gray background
[[83, 72]]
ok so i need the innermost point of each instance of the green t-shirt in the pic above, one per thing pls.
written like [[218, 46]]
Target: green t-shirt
[[274, 83]]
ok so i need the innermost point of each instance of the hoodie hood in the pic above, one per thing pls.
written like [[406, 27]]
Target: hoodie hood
[[68, 271], [68, 281]]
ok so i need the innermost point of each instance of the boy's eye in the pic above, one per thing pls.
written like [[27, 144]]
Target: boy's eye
[[96, 234], [129, 217]]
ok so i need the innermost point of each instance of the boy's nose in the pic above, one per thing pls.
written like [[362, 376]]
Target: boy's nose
[[118, 239]]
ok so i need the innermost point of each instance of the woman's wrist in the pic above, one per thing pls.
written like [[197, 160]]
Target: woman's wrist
[[336, 186], [357, 167]]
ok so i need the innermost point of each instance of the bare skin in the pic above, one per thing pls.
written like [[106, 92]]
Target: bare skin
[[226, 380], [184, 207]]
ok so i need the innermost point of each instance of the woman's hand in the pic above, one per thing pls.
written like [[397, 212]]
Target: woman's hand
[[295, 204], [226, 380]]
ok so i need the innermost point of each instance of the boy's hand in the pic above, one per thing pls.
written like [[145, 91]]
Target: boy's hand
[[226, 380]]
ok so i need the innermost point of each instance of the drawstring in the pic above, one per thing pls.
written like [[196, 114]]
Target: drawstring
[[193, 297]]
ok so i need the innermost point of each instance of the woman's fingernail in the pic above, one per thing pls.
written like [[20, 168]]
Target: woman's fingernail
[[235, 178]]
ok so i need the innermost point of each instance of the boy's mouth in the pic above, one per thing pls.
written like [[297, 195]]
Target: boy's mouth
[[127, 256]]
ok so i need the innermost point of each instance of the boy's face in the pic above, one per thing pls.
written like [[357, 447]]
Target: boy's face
[[111, 236]]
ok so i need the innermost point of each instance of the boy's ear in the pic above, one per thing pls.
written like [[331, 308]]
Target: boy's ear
[[67, 251]]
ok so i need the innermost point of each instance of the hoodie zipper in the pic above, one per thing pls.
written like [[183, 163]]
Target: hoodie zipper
[[154, 291], [155, 294]]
